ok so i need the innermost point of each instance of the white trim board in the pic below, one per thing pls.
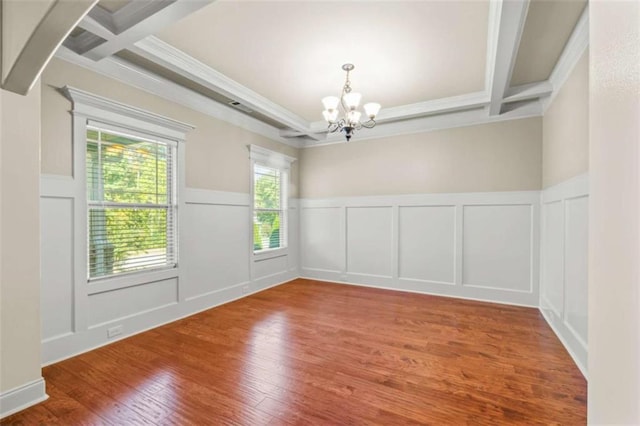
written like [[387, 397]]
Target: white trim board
[[25, 396]]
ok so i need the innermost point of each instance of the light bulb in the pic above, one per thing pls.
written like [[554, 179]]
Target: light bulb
[[352, 100], [353, 117], [371, 109], [330, 103], [330, 116]]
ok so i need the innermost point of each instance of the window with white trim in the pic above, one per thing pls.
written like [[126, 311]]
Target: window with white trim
[[131, 202], [270, 194]]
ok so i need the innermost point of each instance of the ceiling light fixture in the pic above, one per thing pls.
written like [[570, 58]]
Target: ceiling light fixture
[[349, 102]]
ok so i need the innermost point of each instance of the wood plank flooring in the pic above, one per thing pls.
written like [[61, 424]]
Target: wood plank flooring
[[309, 352]]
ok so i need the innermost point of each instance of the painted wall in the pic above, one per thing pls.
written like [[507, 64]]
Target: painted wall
[[504, 156], [564, 264], [565, 213], [472, 245], [565, 129], [217, 154], [614, 210], [216, 262], [19, 249]]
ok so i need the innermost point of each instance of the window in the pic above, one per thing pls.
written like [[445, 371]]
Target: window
[[131, 203], [270, 196]]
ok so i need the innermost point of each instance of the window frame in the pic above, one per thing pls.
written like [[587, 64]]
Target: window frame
[[89, 109], [170, 206], [275, 160]]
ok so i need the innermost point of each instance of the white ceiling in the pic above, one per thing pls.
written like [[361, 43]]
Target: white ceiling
[[431, 64], [292, 52]]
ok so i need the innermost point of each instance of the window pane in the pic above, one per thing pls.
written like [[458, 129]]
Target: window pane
[[131, 171], [266, 230], [129, 174], [266, 188], [123, 240]]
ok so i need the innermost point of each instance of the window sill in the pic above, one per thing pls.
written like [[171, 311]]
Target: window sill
[[270, 254], [102, 285]]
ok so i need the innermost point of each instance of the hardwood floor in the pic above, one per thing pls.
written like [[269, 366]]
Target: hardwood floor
[[309, 352]]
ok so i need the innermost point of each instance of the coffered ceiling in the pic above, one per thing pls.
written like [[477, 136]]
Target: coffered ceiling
[[431, 64]]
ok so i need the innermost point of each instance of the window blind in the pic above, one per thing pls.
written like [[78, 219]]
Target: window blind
[[130, 203], [269, 208]]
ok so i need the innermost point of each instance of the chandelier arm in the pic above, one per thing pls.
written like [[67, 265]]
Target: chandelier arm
[[369, 124]]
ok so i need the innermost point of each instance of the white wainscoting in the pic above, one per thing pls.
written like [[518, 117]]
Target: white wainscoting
[[564, 257], [216, 265], [481, 246]]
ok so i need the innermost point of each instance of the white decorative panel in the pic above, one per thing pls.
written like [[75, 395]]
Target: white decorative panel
[[427, 243], [497, 247], [214, 248], [118, 304], [576, 265], [553, 254], [268, 267], [56, 283], [369, 240], [321, 238]]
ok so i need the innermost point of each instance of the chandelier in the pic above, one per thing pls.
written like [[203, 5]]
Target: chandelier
[[349, 101]]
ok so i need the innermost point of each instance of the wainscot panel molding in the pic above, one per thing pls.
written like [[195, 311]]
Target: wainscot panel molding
[[563, 267], [482, 246], [214, 268], [24, 396]]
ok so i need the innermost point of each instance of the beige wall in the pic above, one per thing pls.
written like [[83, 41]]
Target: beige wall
[[216, 151], [614, 213], [19, 19], [565, 129], [503, 156], [20, 243]]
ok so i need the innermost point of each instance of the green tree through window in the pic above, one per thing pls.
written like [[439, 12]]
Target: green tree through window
[[131, 211], [268, 208]]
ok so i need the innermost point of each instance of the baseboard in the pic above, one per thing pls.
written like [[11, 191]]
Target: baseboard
[[17, 399], [73, 344], [479, 294], [568, 340]]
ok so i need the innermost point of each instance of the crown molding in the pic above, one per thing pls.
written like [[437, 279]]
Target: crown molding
[[573, 50], [172, 58], [132, 75], [436, 122]]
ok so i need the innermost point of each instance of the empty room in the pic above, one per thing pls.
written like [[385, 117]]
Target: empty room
[[319, 212]]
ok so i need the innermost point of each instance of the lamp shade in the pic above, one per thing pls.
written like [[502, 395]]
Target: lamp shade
[[330, 116], [330, 103], [352, 100], [371, 109], [353, 117]]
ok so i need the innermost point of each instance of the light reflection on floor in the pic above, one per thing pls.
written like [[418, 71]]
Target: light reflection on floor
[[267, 363]]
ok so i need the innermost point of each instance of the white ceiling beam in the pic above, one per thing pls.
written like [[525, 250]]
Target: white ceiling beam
[[55, 26], [134, 76], [421, 109], [573, 50], [528, 91], [161, 53], [506, 22], [436, 122], [136, 21]]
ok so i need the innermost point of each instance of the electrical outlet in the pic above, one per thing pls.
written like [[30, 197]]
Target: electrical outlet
[[245, 289], [114, 331]]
